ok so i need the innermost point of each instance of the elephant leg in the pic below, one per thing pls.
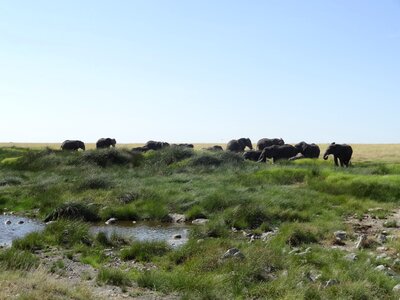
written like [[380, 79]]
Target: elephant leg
[[336, 160], [341, 162]]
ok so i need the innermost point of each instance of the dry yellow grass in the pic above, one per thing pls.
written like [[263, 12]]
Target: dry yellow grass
[[361, 152]]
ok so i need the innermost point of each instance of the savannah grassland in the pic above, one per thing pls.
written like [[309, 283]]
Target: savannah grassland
[[304, 202]]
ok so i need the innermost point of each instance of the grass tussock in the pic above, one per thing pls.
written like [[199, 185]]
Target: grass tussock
[[113, 276], [15, 259], [73, 211], [144, 251]]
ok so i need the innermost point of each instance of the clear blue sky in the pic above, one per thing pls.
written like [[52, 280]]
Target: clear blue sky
[[200, 71]]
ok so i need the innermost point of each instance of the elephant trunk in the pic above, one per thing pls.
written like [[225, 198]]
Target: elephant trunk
[[326, 156]]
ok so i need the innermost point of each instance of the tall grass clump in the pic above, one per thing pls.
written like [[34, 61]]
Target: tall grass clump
[[112, 156], [67, 233], [10, 180], [145, 251], [73, 211], [96, 182], [15, 259], [207, 159], [168, 156], [113, 276]]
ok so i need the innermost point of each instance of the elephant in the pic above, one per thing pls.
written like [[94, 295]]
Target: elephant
[[306, 151], [214, 148], [151, 145], [73, 145], [105, 143], [277, 152], [265, 142], [252, 155], [239, 145], [183, 145], [342, 152]]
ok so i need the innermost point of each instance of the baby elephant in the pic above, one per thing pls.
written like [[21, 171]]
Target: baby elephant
[[253, 155], [277, 152], [105, 143], [342, 152], [306, 151]]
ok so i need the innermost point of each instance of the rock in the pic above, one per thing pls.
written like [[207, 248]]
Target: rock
[[294, 251], [7, 222], [380, 268], [340, 235], [200, 221], [382, 238], [177, 236], [381, 249], [177, 218], [351, 257], [304, 252], [233, 253], [133, 222], [382, 256], [313, 276], [111, 221], [396, 288], [361, 241], [331, 282], [21, 222]]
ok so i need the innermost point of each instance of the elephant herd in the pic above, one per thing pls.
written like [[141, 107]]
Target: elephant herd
[[274, 149], [75, 145]]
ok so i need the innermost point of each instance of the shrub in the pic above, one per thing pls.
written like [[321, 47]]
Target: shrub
[[145, 251]]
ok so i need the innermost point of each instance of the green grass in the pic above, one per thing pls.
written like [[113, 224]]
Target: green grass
[[307, 200]]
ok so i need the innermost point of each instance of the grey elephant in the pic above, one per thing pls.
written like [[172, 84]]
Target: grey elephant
[[253, 155], [72, 145], [341, 152], [151, 145], [277, 152], [265, 142], [105, 143], [239, 145], [184, 145], [214, 148], [306, 150]]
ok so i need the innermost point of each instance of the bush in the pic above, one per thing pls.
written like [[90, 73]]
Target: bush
[[145, 251], [74, 211]]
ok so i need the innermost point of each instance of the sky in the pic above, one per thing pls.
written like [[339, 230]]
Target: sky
[[200, 71]]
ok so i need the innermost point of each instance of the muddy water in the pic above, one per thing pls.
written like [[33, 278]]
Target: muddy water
[[12, 231], [147, 231], [144, 231]]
